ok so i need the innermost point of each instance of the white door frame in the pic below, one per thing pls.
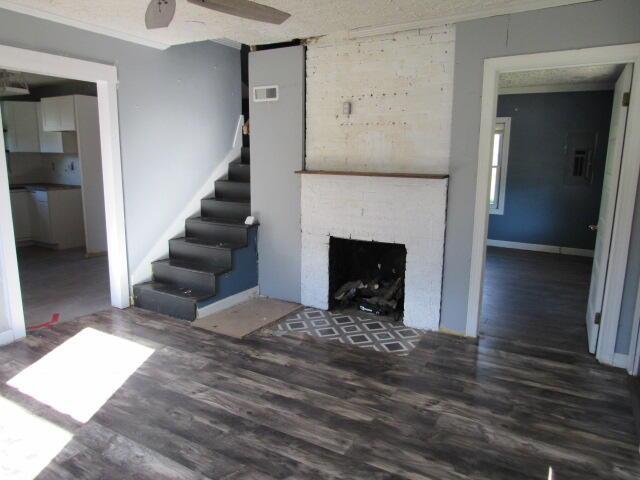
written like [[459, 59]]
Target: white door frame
[[106, 79], [493, 67]]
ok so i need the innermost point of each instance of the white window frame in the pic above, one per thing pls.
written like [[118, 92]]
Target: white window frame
[[503, 124]]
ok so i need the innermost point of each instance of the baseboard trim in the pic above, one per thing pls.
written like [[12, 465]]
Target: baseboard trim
[[535, 247], [6, 338], [620, 360], [95, 254], [227, 302], [580, 252], [449, 331]]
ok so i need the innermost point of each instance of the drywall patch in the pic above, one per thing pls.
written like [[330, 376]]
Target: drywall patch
[[400, 87]]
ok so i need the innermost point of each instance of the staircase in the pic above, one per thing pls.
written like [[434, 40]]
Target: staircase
[[216, 258]]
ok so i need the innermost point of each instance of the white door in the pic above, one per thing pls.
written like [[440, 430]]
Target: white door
[[607, 206]]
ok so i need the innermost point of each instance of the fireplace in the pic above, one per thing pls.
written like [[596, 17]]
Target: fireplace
[[367, 275], [407, 212]]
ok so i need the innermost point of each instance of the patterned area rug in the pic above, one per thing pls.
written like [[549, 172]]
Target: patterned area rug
[[352, 328]]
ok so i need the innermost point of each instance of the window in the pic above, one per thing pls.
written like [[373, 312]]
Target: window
[[499, 160]]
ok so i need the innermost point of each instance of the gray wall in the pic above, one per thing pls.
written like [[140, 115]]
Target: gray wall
[[178, 111], [540, 206], [277, 151], [605, 22]]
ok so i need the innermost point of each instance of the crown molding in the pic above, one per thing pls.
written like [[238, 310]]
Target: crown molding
[[525, 6], [227, 42]]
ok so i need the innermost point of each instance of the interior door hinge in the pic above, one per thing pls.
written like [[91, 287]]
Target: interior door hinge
[[598, 318], [626, 98]]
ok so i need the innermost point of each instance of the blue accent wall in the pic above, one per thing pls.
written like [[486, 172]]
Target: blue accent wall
[[539, 207], [243, 275]]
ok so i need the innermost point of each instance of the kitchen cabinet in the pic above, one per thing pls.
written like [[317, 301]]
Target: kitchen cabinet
[[58, 114], [20, 120], [40, 221], [20, 205], [56, 218], [55, 142]]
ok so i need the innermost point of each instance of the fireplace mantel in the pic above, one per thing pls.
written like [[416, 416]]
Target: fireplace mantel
[[430, 176]]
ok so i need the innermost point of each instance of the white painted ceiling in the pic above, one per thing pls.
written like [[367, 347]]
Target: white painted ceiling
[[309, 18], [596, 74]]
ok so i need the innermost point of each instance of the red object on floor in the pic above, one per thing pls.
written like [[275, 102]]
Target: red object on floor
[[54, 319]]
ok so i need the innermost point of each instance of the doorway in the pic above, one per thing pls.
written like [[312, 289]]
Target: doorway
[[52, 152], [104, 78], [555, 149], [617, 208]]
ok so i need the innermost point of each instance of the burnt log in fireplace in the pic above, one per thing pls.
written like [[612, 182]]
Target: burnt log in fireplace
[[367, 275]]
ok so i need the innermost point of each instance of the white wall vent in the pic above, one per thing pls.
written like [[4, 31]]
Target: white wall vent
[[267, 93]]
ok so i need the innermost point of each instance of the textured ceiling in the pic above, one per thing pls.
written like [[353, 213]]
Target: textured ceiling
[[601, 74], [309, 18]]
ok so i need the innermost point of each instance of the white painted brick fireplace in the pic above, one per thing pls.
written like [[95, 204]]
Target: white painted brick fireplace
[[405, 210]]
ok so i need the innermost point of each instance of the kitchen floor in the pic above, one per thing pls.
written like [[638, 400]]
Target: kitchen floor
[[58, 285]]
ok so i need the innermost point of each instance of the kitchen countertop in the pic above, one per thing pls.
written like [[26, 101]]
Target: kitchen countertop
[[41, 186]]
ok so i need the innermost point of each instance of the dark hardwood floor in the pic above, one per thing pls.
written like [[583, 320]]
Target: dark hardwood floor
[[536, 298], [206, 406]]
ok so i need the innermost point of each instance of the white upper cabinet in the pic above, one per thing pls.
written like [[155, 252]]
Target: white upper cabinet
[[56, 142], [58, 114], [20, 120]]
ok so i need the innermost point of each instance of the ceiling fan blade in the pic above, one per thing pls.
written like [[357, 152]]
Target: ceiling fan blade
[[245, 9], [159, 13]]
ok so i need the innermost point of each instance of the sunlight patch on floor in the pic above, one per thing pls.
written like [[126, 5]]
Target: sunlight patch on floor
[[27, 442], [79, 376]]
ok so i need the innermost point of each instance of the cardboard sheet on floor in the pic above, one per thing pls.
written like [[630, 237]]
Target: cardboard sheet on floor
[[247, 317]]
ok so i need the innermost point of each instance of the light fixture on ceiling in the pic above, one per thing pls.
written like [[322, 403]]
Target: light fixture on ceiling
[[13, 83], [160, 12]]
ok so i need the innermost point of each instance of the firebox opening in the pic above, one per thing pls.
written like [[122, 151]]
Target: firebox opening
[[367, 275]]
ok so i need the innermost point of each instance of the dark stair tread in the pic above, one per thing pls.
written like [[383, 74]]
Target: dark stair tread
[[227, 200], [206, 253], [211, 243], [194, 266], [239, 162], [226, 180], [233, 222], [184, 293]]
